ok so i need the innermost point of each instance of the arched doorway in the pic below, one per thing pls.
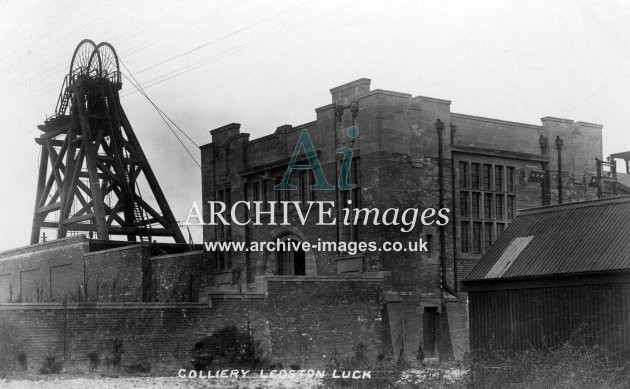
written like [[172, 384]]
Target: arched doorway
[[295, 262]]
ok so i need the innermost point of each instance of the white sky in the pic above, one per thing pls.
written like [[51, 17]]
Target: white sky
[[265, 64]]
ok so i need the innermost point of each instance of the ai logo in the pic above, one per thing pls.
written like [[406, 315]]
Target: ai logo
[[313, 164]]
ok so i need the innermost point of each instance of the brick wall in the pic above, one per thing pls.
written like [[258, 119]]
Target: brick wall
[[299, 322], [179, 277], [116, 275], [310, 318], [43, 272], [161, 334]]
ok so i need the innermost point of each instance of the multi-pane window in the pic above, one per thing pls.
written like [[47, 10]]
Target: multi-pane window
[[464, 237], [463, 204], [498, 202], [476, 237], [350, 233], [488, 235], [474, 175], [487, 176], [510, 207], [485, 207], [476, 205], [498, 178], [463, 174], [223, 259], [304, 191]]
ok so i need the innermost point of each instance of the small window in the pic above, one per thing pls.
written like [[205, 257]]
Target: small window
[[500, 229], [256, 191], [464, 237], [487, 177], [498, 178], [463, 204], [487, 206], [476, 205], [510, 207], [474, 171], [463, 174], [509, 178], [477, 238], [487, 236], [499, 207]]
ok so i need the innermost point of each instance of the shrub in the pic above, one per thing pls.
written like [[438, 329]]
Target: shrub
[[94, 361], [227, 347], [51, 365], [118, 349], [10, 334], [140, 367], [22, 361], [384, 372]]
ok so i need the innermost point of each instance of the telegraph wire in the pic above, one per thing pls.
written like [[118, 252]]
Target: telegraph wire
[[143, 45], [158, 108], [223, 37], [160, 112], [226, 53]]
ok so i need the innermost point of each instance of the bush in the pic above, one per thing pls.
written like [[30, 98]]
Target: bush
[[567, 365], [22, 361], [51, 365], [118, 349], [10, 334], [140, 367], [227, 347], [94, 361], [384, 372]]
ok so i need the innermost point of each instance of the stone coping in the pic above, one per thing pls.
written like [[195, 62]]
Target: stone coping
[[234, 295], [332, 278], [94, 306]]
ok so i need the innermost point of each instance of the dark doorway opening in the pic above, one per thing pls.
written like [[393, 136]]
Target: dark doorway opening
[[430, 332], [291, 263]]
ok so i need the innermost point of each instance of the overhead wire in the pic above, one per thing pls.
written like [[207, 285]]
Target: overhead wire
[[133, 82], [230, 34], [185, 69]]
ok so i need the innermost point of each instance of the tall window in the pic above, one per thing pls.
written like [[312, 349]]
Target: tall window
[[498, 178], [463, 174], [509, 171], [474, 174], [350, 233], [223, 259], [486, 204], [464, 236], [476, 205], [487, 176], [463, 204], [477, 237]]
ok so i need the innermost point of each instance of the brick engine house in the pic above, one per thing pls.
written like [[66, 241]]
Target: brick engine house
[[410, 151]]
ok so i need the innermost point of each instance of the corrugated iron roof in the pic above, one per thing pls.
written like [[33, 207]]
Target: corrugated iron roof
[[589, 236]]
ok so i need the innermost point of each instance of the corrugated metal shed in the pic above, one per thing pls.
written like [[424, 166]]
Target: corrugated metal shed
[[584, 237]]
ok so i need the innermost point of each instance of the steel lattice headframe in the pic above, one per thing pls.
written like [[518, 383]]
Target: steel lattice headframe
[[92, 167]]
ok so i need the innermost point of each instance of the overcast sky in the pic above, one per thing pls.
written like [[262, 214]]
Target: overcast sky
[[264, 64]]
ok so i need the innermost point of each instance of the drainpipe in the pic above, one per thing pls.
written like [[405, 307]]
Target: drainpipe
[[559, 143], [542, 141], [439, 126], [454, 210]]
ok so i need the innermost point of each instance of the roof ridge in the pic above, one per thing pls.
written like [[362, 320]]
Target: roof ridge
[[574, 205]]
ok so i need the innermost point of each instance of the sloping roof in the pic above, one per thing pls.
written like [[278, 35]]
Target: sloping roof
[[583, 237]]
